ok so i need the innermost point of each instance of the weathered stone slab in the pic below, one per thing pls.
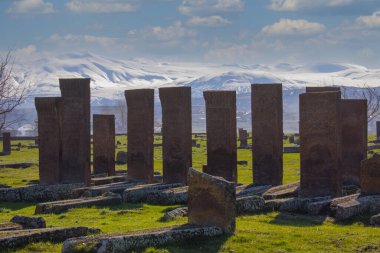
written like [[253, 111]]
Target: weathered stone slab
[[140, 127], [76, 150], [212, 201], [104, 144], [139, 193], [14, 239], [39, 193], [176, 133], [178, 212], [29, 222], [377, 130], [267, 132], [299, 205], [319, 207], [101, 189], [370, 175], [282, 191], [221, 134], [249, 204], [320, 136], [375, 220], [354, 138], [121, 157], [108, 180], [6, 143], [10, 226], [355, 207], [243, 137], [173, 196], [129, 242], [58, 207], [251, 190], [50, 142]]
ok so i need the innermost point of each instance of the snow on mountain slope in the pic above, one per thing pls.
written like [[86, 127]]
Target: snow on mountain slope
[[110, 77]]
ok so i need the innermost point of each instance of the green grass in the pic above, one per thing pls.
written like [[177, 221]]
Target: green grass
[[269, 232]]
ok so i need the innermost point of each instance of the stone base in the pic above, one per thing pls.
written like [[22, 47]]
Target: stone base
[[129, 242], [174, 196], [357, 206], [140, 193], [282, 191], [249, 204]]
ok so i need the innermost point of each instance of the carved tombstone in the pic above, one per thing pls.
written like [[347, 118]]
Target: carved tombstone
[[221, 134], [377, 130], [6, 143], [211, 201], [354, 138], [104, 144], [76, 138], [267, 132], [370, 175], [243, 137], [176, 133], [140, 127], [320, 138], [49, 136]]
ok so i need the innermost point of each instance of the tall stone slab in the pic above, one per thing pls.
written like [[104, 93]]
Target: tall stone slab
[[370, 175], [221, 134], [76, 139], [320, 139], [6, 143], [377, 130], [49, 139], [176, 133], [243, 137], [104, 144], [212, 201], [267, 133], [322, 89], [354, 138], [140, 127]]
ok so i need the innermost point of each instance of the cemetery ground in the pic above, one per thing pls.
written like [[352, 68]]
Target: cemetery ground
[[264, 232]]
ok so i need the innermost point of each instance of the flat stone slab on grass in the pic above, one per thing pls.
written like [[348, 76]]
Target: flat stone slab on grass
[[178, 212], [94, 191], [133, 241], [18, 238], [139, 193], [375, 220], [251, 190], [357, 206], [173, 196], [62, 206], [282, 191], [108, 180], [9, 226], [249, 204], [39, 193], [29, 222]]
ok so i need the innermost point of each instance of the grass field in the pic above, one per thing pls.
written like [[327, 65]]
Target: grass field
[[269, 232]]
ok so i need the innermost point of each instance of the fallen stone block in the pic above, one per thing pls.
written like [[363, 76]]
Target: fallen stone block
[[28, 222], [62, 206], [298, 205], [178, 212], [174, 196], [8, 226], [139, 193], [250, 190], [353, 207], [94, 191], [130, 242], [319, 207], [108, 180], [282, 191], [249, 204], [375, 220], [18, 238], [334, 202]]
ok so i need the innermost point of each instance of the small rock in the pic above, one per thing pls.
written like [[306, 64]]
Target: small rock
[[29, 222]]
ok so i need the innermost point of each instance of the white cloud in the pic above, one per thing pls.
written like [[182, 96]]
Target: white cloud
[[227, 52], [295, 5], [196, 7], [103, 41], [293, 27], [31, 6], [30, 49], [211, 21], [172, 33], [370, 21], [100, 6]]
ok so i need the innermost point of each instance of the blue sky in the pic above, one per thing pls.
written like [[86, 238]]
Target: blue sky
[[221, 31]]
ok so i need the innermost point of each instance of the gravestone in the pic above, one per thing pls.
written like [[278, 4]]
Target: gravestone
[[221, 134], [243, 137], [320, 137], [104, 144], [6, 143], [267, 132], [140, 128], [176, 133], [291, 139], [354, 138], [211, 201], [370, 175], [49, 136], [194, 143], [377, 130], [76, 139]]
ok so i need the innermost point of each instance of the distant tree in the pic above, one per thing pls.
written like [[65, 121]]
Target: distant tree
[[12, 94]]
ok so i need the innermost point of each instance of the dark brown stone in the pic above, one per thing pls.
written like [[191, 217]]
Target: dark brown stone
[[370, 175], [50, 142], [104, 144], [140, 125], [76, 139], [267, 132], [322, 89], [176, 133], [211, 201], [378, 130], [354, 138], [221, 134], [6, 143], [320, 136]]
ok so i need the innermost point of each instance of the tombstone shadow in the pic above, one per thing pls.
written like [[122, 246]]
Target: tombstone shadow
[[298, 220]]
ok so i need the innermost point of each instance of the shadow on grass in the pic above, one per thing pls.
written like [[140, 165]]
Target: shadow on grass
[[297, 220], [125, 206], [14, 206]]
